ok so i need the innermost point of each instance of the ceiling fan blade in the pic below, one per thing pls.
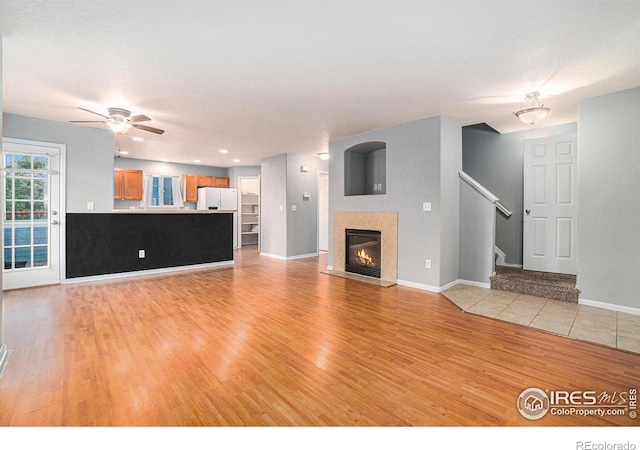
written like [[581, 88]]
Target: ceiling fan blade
[[146, 128], [87, 121], [93, 112], [139, 118]]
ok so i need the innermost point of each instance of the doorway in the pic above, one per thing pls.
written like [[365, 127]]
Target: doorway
[[33, 213]]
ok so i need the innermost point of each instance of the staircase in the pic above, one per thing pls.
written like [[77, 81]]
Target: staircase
[[539, 284]]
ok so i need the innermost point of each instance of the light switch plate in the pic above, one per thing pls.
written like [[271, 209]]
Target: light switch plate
[[426, 206], [294, 207]]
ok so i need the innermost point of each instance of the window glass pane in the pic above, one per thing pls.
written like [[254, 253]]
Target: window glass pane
[[41, 233], [41, 162], [8, 161], [40, 257], [8, 217], [23, 257], [21, 161], [22, 234], [23, 189], [40, 211], [22, 211], [167, 191], [8, 187], [155, 192], [7, 258], [7, 236], [39, 187]]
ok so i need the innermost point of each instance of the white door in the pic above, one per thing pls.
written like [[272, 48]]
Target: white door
[[32, 215], [550, 204], [323, 211]]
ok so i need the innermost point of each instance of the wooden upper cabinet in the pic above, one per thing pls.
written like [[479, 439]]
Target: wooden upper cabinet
[[205, 181], [193, 182], [190, 191], [222, 182], [127, 184]]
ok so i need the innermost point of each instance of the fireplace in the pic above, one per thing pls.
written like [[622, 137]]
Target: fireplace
[[363, 253]]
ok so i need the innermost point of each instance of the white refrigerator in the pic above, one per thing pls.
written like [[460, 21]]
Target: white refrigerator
[[224, 199]]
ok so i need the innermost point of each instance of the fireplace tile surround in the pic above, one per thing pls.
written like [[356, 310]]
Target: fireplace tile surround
[[385, 222]]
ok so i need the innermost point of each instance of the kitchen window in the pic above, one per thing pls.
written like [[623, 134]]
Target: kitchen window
[[161, 191]]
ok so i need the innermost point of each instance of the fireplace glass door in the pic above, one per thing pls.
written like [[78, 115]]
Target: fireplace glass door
[[363, 252]]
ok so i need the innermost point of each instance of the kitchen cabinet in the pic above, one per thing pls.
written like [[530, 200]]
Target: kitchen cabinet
[[127, 184], [193, 182]]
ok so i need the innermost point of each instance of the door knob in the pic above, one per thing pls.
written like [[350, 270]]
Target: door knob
[[528, 211]]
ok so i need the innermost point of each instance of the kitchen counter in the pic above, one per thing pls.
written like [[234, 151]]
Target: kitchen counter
[[131, 240], [172, 211]]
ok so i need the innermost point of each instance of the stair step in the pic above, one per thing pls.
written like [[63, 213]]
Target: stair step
[[539, 284]]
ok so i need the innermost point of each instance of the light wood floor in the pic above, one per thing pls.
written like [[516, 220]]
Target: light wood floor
[[269, 342]]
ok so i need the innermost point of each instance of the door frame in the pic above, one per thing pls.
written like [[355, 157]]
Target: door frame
[[62, 181]]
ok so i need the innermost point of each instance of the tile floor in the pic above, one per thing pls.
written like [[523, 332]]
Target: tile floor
[[602, 326]]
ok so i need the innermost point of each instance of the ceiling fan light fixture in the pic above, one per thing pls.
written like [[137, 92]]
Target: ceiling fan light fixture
[[535, 113], [323, 156], [119, 127]]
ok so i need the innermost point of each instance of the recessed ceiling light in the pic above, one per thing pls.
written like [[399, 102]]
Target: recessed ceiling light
[[224, 150], [196, 160], [235, 160], [165, 160], [138, 138], [123, 152]]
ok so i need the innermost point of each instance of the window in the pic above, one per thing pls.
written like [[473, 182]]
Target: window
[[161, 191]]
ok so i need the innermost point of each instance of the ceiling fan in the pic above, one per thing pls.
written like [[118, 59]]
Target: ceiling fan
[[120, 121]]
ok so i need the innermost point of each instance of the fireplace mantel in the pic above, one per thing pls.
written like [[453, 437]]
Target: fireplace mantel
[[385, 222]]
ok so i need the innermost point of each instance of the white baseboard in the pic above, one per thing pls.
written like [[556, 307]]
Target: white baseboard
[[4, 356], [422, 287], [289, 258], [139, 273], [475, 283], [610, 306], [517, 266]]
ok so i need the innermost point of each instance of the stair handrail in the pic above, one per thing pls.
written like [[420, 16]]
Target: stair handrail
[[485, 192]]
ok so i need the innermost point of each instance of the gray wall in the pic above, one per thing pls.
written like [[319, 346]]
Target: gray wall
[[416, 154], [164, 168], [497, 162], [302, 224], [273, 195], [241, 171], [89, 156], [287, 233], [450, 165], [609, 217], [477, 233]]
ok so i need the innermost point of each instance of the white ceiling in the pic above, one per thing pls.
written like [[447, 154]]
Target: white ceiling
[[265, 78]]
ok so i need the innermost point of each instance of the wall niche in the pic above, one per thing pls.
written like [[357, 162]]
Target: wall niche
[[365, 169]]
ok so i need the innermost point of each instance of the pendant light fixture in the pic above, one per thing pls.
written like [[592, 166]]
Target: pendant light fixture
[[535, 112]]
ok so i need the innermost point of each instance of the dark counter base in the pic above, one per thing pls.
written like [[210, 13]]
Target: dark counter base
[[102, 244]]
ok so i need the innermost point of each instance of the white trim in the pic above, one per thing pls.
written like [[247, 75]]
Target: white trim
[[500, 261], [610, 306], [4, 357], [516, 266], [139, 273], [289, 258], [422, 287], [329, 267], [475, 283]]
